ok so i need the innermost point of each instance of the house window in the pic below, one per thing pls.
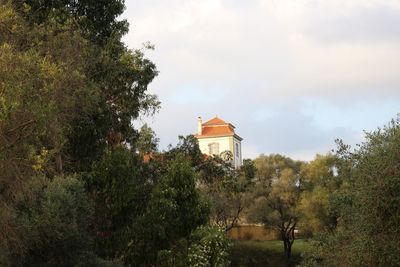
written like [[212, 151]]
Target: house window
[[213, 149], [237, 150]]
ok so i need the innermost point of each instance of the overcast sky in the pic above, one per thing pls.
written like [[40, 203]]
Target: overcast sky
[[291, 75]]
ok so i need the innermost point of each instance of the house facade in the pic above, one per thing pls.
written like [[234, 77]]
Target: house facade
[[217, 136]]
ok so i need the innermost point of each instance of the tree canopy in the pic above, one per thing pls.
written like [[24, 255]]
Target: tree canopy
[[366, 205]]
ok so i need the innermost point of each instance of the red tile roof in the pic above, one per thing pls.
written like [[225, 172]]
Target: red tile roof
[[215, 121], [218, 130], [217, 127]]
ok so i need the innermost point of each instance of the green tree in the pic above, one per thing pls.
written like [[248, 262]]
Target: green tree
[[120, 75], [367, 232], [42, 88], [175, 209], [248, 170], [276, 196], [189, 147], [68, 94], [97, 19], [269, 168], [120, 186], [209, 246], [57, 224], [321, 184], [147, 141], [225, 186], [278, 209], [122, 79]]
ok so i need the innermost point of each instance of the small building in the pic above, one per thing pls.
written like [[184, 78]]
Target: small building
[[217, 136]]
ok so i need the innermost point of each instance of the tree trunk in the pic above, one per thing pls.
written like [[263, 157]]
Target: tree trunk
[[287, 245], [59, 164], [289, 250], [288, 237]]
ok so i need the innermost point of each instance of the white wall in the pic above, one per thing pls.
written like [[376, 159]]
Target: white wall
[[225, 143]]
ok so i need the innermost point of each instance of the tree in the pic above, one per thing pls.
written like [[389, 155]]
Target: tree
[[120, 75], [147, 141], [321, 184], [218, 181], [175, 209], [71, 183], [248, 170], [278, 209], [42, 88], [269, 167], [68, 94], [123, 78], [225, 186], [97, 19], [367, 232], [120, 186], [57, 224], [276, 193], [209, 246], [188, 146]]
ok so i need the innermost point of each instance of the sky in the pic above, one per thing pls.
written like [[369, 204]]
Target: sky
[[291, 75]]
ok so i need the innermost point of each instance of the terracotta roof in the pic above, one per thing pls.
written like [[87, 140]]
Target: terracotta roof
[[219, 130], [217, 127], [215, 121], [147, 158]]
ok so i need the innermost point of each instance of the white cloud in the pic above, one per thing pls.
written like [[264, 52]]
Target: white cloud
[[263, 61]]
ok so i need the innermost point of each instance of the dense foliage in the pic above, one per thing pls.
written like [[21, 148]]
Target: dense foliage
[[226, 188], [173, 212], [75, 189], [368, 227], [80, 186], [57, 223], [209, 247], [276, 194]]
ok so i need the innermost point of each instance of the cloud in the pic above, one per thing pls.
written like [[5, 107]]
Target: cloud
[[290, 131], [366, 24], [197, 95], [291, 75]]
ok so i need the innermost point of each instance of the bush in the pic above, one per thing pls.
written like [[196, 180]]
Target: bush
[[56, 223], [174, 210], [368, 229], [210, 246]]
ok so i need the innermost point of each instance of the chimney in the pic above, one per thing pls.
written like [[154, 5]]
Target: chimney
[[199, 126]]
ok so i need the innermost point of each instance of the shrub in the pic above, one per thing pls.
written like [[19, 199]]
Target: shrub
[[57, 223], [210, 246]]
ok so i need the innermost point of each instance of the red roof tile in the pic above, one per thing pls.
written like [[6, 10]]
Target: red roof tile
[[217, 131], [216, 127], [215, 121]]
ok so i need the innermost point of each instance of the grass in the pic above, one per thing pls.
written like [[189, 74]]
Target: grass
[[266, 253], [253, 232]]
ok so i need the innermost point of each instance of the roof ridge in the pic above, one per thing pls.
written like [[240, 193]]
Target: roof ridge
[[215, 121]]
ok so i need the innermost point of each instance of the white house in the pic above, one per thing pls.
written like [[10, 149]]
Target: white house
[[217, 136]]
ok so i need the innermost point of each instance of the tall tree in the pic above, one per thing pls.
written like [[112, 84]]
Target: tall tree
[[69, 89], [121, 76], [97, 19], [175, 209], [276, 195], [120, 186], [278, 209], [225, 186], [367, 233], [321, 184], [43, 88], [147, 141]]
